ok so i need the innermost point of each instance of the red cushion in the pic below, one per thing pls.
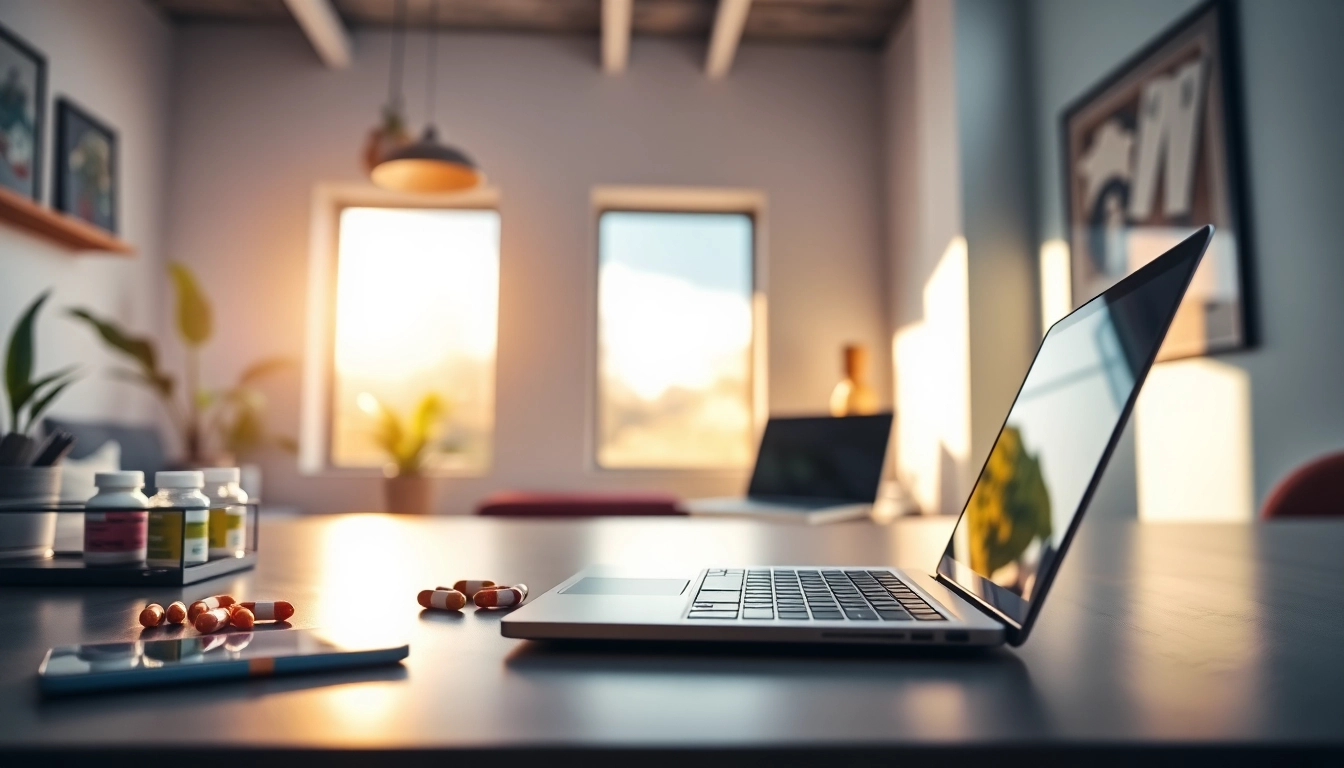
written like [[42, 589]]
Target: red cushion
[[1313, 490], [514, 504]]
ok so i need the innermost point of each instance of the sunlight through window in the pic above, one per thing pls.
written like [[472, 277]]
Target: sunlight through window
[[675, 340], [417, 293]]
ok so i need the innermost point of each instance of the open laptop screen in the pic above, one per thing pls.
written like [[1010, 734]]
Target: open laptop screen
[[1050, 452], [822, 458]]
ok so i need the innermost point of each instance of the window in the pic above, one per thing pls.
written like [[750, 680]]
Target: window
[[675, 339], [417, 293]]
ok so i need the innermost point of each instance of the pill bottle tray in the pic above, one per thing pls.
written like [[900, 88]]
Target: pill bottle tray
[[67, 568]]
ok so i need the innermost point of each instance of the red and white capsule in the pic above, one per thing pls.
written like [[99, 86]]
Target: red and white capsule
[[501, 597], [151, 616], [212, 620], [241, 617], [176, 613], [276, 610], [470, 588], [208, 604], [442, 599]]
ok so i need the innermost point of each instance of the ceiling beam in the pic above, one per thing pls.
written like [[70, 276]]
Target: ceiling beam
[[728, 23], [617, 16], [322, 25]]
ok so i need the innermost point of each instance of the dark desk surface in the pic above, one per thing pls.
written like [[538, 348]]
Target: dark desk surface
[[1155, 636]]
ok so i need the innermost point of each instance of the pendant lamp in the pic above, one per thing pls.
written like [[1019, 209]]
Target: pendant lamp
[[427, 165]]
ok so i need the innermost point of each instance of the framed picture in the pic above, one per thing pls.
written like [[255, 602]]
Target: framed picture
[[1150, 154], [23, 103], [86, 167]]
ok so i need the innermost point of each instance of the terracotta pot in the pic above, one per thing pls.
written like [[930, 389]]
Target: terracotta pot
[[408, 494], [28, 534]]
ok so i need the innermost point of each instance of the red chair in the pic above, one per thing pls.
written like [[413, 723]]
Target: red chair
[[1312, 490], [514, 504]]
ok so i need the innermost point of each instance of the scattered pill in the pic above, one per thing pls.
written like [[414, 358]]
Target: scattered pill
[[241, 617], [208, 604], [176, 612], [503, 597], [277, 610], [443, 599], [470, 588], [151, 616], [212, 620], [520, 587]]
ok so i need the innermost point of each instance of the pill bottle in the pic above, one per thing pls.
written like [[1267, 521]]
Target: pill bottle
[[178, 536], [115, 520], [228, 513]]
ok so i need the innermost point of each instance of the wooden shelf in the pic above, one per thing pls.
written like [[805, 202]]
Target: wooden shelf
[[57, 227]]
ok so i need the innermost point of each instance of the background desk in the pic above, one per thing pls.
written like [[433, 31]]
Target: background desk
[[1157, 637]]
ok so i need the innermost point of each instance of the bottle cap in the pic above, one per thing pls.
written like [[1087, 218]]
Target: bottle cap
[[179, 479], [124, 479], [220, 475]]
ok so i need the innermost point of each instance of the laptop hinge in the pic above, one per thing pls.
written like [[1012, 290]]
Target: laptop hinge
[[979, 604]]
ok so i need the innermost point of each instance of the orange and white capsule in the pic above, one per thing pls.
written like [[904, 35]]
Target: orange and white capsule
[[442, 599], [520, 587], [208, 604], [276, 610], [151, 616], [240, 617], [501, 597], [470, 588], [212, 620], [176, 612]]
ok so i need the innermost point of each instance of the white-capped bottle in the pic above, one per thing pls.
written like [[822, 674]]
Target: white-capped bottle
[[115, 520], [179, 535], [228, 511]]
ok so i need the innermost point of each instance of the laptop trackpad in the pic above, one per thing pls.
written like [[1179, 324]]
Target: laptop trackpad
[[594, 585]]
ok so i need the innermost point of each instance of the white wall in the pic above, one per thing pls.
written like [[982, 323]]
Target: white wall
[[1292, 97], [259, 122], [113, 59]]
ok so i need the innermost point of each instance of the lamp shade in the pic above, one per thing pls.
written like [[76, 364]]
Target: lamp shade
[[427, 166]]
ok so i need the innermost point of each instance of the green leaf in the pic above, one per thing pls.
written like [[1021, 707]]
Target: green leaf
[[45, 402], [263, 369], [193, 309], [138, 348], [19, 360], [163, 385], [49, 378]]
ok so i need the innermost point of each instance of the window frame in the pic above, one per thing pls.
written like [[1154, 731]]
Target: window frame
[[317, 402], [659, 199]]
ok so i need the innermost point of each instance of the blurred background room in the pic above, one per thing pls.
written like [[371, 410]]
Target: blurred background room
[[433, 255]]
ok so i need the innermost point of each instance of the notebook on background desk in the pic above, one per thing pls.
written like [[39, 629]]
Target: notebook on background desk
[[811, 470]]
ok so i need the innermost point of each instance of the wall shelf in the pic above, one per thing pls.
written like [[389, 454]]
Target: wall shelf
[[57, 227]]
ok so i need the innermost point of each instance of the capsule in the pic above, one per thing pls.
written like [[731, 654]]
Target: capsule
[[501, 597], [208, 604], [277, 610], [470, 588], [151, 616], [212, 620], [520, 587], [443, 599], [241, 617], [176, 612]]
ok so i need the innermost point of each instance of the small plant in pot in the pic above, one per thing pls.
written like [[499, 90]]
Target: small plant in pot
[[29, 474], [217, 427], [408, 444]]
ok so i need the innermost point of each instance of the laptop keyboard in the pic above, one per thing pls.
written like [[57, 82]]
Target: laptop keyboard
[[804, 595]]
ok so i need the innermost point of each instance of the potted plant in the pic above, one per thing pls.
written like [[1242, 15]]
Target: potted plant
[[215, 426], [407, 444], [28, 473]]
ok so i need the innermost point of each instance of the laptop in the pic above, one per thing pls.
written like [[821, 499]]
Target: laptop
[[811, 470], [991, 579]]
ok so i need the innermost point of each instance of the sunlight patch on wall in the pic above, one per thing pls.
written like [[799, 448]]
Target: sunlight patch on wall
[[1192, 432], [1056, 283], [933, 389]]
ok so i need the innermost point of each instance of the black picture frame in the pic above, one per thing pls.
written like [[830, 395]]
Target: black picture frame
[[76, 129], [1219, 313], [23, 50]]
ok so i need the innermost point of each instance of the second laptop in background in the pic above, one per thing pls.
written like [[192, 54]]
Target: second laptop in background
[[811, 470]]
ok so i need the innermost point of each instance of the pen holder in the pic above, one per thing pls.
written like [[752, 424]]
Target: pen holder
[[29, 535]]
